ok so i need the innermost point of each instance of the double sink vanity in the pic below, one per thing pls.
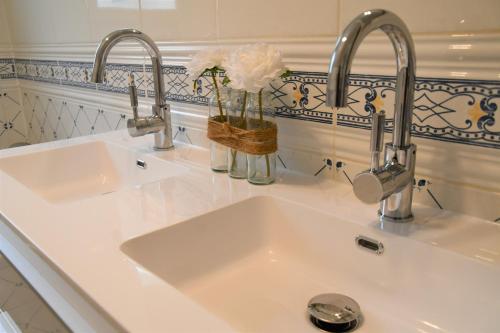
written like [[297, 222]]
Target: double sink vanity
[[158, 242], [117, 236]]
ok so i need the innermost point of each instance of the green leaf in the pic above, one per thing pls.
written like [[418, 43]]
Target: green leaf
[[286, 74], [226, 81]]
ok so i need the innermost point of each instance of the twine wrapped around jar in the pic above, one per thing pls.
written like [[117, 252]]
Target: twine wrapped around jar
[[260, 141]]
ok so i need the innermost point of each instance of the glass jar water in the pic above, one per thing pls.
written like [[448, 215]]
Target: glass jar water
[[261, 169], [236, 108], [217, 110]]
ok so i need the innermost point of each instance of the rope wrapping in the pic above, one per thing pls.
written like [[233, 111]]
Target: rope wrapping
[[260, 140]]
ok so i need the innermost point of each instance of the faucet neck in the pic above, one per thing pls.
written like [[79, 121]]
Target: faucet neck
[[117, 36], [341, 61]]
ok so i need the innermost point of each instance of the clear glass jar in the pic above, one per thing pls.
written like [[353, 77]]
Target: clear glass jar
[[236, 108], [261, 169], [217, 108]]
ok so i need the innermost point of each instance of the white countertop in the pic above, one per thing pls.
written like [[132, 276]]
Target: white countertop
[[83, 238]]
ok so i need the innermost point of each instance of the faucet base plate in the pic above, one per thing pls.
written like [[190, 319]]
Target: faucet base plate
[[385, 218], [162, 148]]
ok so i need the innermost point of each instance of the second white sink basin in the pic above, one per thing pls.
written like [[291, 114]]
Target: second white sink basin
[[85, 170], [257, 263]]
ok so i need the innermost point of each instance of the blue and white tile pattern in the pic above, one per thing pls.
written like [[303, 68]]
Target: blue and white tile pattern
[[460, 111]]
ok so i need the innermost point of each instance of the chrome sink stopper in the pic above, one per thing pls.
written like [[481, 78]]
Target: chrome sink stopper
[[334, 312]]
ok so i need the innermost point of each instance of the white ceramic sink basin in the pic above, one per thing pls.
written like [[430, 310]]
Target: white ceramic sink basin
[[257, 263], [84, 170]]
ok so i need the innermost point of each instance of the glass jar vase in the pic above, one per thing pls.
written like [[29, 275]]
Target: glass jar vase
[[217, 111], [261, 169], [236, 108]]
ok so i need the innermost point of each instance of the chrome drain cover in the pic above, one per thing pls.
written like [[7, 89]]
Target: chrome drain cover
[[334, 312]]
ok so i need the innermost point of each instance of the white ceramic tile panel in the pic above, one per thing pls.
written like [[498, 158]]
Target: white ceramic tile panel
[[106, 16], [12, 121], [48, 21], [31, 21], [4, 26], [50, 118], [432, 15], [179, 19], [71, 21], [277, 18]]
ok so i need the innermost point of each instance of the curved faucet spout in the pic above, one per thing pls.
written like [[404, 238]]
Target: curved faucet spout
[[117, 36], [160, 122], [392, 183], [345, 49]]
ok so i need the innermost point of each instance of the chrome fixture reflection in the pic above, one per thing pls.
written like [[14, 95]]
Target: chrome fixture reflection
[[392, 183], [334, 313], [159, 122]]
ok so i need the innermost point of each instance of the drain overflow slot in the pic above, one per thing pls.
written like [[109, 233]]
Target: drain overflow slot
[[141, 164], [370, 244]]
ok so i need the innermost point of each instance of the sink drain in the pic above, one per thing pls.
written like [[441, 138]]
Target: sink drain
[[334, 312]]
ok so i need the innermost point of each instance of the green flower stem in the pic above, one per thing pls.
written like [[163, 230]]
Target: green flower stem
[[243, 108], [242, 117], [217, 92], [261, 118]]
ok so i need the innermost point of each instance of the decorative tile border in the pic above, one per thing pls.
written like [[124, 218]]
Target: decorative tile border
[[7, 69], [302, 96], [461, 111], [116, 78]]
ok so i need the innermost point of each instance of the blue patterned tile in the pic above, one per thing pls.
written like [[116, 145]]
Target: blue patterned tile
[[140, 81], [77, 74], [31, 70], [7, 68], [116, 78], [302, 96], [45, 71], [177, 86], [21, 66], [461, 111]]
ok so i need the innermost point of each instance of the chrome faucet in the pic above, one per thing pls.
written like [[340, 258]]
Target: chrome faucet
[[159, 122], [392, 183]]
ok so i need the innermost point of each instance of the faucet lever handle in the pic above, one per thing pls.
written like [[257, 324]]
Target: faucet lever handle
[[132, 90], [377, 139]]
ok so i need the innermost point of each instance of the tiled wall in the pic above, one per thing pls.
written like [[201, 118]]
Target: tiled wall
[[83, 21], [460, 111], [456, 98], [50, 118], [13, 128]]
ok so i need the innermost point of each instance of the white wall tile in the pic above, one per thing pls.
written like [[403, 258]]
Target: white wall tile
[[276, 18], [71, 21], [104, 19], [63, 21], [4, 26], [179, 20], [12, 122], [30, 21], [432, 15]]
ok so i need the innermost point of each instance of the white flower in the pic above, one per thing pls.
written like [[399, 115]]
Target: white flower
[[203, 60], [253, 67]]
